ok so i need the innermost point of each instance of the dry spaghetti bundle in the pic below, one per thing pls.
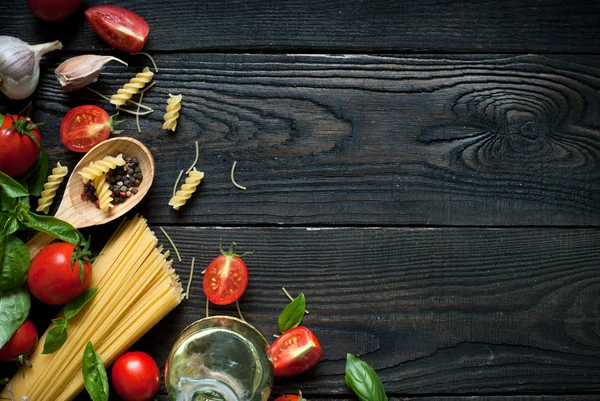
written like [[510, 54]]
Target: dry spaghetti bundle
[[137, 287]]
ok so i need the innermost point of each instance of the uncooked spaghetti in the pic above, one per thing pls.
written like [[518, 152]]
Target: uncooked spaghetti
[[137, 287]]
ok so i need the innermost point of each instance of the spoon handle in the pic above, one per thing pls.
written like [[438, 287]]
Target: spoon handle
[[39, 241]]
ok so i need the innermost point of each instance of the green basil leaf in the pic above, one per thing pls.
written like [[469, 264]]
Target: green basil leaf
[[14, 262], [35, 177], [94, 374], [8, 204], [292, 314], [363, 380], [1, 119], [8, 223], [53, 226], [76, 305], [12, 188], [56, 337], [14, 308]]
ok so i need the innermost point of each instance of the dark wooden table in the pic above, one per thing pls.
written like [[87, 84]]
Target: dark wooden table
[[426, 172]]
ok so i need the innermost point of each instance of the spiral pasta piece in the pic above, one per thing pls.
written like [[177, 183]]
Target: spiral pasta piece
[[191, 184], [172, 114], [132, 87], [103, 192], [49, 192], [96, 169]]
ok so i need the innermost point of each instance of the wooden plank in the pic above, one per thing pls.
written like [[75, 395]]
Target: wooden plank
[[458, 311], [339, 25], [365, 140]]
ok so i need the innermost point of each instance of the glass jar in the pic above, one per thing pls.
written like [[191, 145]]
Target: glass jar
[[219, 358]]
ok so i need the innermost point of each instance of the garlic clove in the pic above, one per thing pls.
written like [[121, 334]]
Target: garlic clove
[[80, 71], [19, 65]]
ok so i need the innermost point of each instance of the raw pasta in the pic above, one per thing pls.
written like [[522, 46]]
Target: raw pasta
[[137, 287], [172, 114], [49, 192], [103, 192], [132, 87], [191, 183], [96, 169]]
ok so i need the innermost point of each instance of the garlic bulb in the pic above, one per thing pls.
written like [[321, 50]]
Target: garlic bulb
[[80, 71], [20, 65]]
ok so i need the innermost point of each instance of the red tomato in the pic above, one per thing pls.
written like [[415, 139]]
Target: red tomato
[[291, 397], [295, 351], [53, 10], [135, 376], [84, 127], [52, 279], [18, 152], [119, 27], [21, 342], [226, 278]]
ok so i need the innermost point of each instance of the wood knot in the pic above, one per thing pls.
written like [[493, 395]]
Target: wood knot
[[516, 128]]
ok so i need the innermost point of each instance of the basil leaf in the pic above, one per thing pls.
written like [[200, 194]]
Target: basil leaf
[[56, 337], [35, 177], [94, 374], [12, 188], [8, 223], [292, 314], [53, 226], [8, 204], [1, 119], [14, 308], [14, 262], [76, 305], [363, 380]]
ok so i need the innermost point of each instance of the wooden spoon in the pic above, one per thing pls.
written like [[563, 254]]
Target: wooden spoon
[[83, 213]]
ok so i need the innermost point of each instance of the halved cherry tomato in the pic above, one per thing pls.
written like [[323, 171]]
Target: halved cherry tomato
[[18, 151], [119, 27], [21, 343], [54, 278], [84, 127], [226, 278], [295, 351], [53, 10], [135, 376], [291, 397]]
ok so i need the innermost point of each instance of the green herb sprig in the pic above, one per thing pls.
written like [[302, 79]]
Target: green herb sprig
[[57, 336]]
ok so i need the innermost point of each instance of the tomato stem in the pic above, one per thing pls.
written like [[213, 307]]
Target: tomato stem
[[231, 251], [82, 255], [112, 122]]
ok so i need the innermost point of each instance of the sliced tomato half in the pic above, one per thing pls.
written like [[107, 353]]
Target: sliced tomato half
[[295, 351]]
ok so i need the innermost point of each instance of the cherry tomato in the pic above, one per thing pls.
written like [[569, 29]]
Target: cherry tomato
[[51, 277], [291, 397], [226, 278], [295, 351], [18, 151], [135, 376], [84, 127], [119, 27], [22, 342], [53, 10]]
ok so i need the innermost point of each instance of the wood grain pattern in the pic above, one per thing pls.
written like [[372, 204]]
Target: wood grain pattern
[[366, 140], [339, 26], [436, 311]]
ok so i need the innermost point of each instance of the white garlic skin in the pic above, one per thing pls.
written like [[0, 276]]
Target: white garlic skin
[[20, 65], [80, 71]]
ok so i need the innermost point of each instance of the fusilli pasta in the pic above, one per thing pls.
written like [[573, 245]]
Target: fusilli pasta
[[191, 184], [103, 192], [96, 169], [172, 114], [49, 192], [132, 87]]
